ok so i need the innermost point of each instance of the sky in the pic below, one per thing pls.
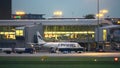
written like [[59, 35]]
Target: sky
[[70, 8]]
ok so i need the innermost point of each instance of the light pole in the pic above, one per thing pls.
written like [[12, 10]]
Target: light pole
[[104, 11], [101, 13], [19, 14], [58, 14], [98, 24]]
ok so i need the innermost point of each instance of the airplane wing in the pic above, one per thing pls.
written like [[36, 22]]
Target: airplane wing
[[36, 44]]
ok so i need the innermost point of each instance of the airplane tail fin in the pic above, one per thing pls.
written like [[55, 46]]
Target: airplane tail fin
[[39, 38]]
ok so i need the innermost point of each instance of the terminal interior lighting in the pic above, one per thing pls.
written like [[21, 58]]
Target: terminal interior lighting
[[118, 22]]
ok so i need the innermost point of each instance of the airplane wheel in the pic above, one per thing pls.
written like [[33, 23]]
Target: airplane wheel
[[52, 50], [79, 52], [8, 52], [65, 52], [19, 52]]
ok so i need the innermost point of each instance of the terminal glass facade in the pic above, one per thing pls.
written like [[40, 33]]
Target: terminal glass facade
[[19, 32], [69, 33], [104, 34], [7, 32], [10, 32], [115, 34]]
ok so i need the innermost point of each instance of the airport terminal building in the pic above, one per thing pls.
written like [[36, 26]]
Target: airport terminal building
[[18, 33]]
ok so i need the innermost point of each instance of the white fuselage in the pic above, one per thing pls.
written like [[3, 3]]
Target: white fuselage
[[62, 45]]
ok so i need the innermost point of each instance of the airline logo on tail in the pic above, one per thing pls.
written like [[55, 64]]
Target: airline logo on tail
[[39, 38]]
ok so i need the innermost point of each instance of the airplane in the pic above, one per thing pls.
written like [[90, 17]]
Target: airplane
[[59, 46], [55, 47]]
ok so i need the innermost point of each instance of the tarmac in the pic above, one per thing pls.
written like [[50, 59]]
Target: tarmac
[[84, 54]]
